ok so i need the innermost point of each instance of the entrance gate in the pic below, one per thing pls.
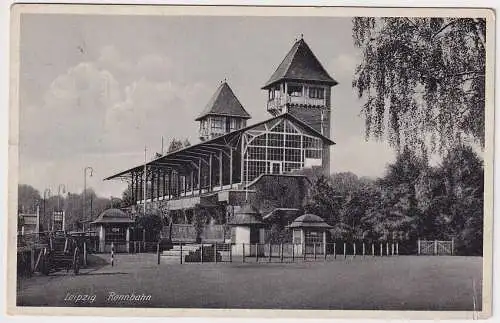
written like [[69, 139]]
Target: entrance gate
[[435, 247]]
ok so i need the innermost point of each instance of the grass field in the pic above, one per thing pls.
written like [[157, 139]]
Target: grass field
[[388, 283]]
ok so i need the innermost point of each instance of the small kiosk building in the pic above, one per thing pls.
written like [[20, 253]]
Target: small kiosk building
[[309, 234], [113, 226]]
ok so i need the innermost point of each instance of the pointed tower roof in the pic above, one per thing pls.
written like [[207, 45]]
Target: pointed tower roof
[[224, 103], [300, 64]]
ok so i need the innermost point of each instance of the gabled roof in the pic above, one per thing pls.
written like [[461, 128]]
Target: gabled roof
[[113, 216], [224, 103], [222, 140], [309, 221], [300, 64]]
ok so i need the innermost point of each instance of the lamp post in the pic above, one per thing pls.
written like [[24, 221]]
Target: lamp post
[[88, 168], [60, 188], [46, 194]]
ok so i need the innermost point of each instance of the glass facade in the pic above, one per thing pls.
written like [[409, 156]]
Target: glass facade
[[279, 148]]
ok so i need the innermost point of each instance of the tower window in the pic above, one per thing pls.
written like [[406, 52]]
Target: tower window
[[294, 90], [316, 93]]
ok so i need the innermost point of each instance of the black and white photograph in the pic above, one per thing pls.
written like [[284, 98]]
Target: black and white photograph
[[251, 158]]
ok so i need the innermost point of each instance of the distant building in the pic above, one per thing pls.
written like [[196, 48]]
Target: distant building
[[30, 222], [223, 169]]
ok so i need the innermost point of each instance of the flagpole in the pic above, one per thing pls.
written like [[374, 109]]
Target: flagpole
[[145, 179]]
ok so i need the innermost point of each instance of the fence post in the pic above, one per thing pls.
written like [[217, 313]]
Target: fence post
[[215, 252], [32, 259], [270, 250], [281, 252], [418, 245], [304, 249], [324, 250], [373, 249], [293, 252], [314, 250], [387, 248], [392, 248], [112, 254], [144, 240], [243, 252], [363, 249], [334, 250], [397, 248], [201, 253], [230, 253], [452, 247], [256, 252], [158, 252], [354, 249], [85, 253], [381, 250], [181, 251], [435, 247]]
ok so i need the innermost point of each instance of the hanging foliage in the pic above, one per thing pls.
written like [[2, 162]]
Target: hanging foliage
[[423, 80]]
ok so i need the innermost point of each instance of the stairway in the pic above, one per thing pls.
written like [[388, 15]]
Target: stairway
[[174, 255]]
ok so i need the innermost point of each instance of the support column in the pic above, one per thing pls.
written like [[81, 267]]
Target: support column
[[178, 181], [199, 175], [132, 192], [192, 182], [152, 184], [231, 167], [210, 174], [164, 184], [102, 239], [137, 188], [127, 238], [220, 169], [141, 186], [170, 184], [158, 185], [324, 243]]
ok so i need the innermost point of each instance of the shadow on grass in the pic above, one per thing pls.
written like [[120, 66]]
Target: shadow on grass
[[96, 261], [91, 273]]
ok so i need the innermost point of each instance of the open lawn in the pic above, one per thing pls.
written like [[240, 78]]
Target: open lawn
[[388, 283]]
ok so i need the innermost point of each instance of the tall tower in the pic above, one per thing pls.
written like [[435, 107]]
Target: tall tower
[[302, 87], [223, 114]]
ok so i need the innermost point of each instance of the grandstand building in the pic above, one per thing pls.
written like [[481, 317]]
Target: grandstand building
[[222, 170]]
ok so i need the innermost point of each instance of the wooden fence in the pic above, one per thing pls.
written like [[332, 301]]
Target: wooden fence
[[435, 247], [187, 233]]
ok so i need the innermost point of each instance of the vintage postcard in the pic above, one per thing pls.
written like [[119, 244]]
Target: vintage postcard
[[251, 161]]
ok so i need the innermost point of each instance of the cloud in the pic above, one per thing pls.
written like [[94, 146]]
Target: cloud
[[343, 66], [111, 106]]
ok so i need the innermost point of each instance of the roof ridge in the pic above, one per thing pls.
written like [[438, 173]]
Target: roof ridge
[[303, 66], [224, 102]]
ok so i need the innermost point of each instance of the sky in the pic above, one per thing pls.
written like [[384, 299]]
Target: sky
[[95, 90]]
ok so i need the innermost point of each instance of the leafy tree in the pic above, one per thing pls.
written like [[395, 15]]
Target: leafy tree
[[325, 202], [127, 197], [426, 76], [177, 144], [152, 221], [280, 192], [398, 212], [462, 188], [28, 198]]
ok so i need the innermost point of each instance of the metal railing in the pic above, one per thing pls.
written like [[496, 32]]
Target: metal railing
[[278, 102], [273, 252]]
